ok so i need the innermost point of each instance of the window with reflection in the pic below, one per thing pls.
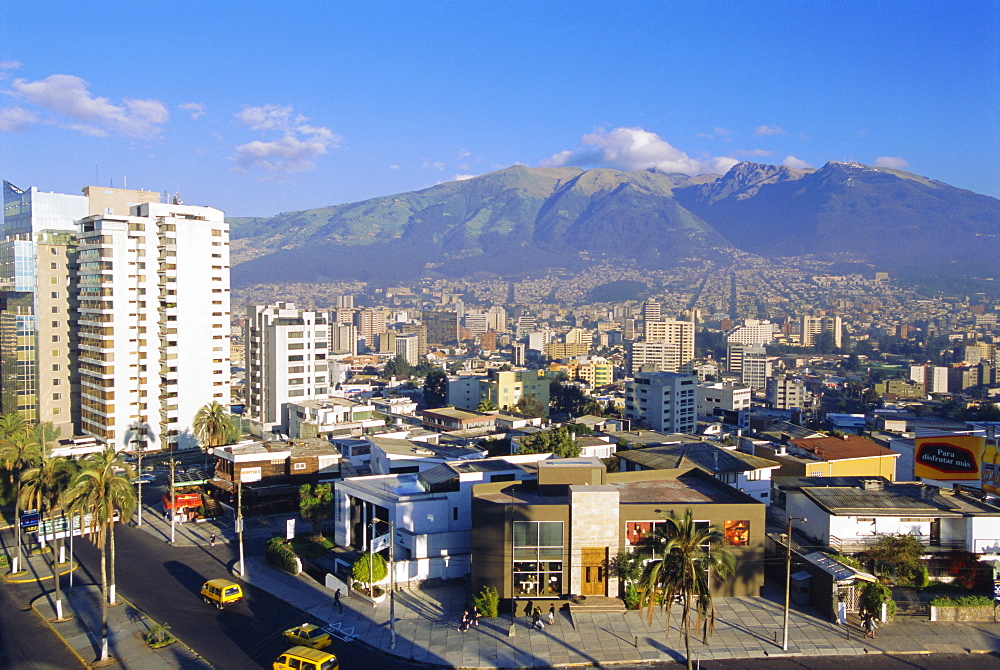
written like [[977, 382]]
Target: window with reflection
[[538, 558], [737, 533]]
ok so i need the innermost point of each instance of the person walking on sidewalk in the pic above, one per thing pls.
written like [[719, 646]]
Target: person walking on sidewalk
[[870, 625], [336, 601], [552, 614], [211, 540], [465, 621], [475, 615]]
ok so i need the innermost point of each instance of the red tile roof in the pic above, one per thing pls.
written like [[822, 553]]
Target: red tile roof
[[840, 448]]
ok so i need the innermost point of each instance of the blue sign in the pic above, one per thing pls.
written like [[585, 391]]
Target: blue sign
[[996, 589], [29, 520]]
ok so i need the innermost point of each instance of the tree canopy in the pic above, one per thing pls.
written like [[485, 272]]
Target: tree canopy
[[436, 389], [558, 441]]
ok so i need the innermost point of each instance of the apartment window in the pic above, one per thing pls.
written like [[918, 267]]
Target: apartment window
[[296, 393], [296, 381], [299, 466], [56, 338], [56, 367], [55, 310], [56, 381], [296, 358], [57, 396], [296, 345], [454, 514], [55, 324], [53, 252], [55, 295]]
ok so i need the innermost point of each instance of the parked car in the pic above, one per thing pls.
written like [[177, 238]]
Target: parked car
[[221, 593], [306, 658], [309, 635], [145, 478]]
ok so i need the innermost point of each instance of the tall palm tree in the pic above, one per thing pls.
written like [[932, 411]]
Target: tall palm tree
[[99, 491], [18, 450], [486, 405], [42, 488], [213, 424], [690, 555]]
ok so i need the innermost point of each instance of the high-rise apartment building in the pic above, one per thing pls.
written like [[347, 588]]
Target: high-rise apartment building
[[370, 322], [286, 361], [442, 327], [811, 326], [153, 345], [668, 346], [498, 318], [408, 346], [651, 311], [665, 401], [343, 337], [786, 392], [753, 331]]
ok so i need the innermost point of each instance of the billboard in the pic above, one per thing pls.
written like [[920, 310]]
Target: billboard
[[991, 469], [949, 457]]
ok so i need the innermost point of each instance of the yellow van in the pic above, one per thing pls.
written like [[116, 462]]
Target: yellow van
[[221, 592], [304, 658]]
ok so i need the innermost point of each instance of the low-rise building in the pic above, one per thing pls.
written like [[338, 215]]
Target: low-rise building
[[555, 536], [400, 456], [330, 417], [450, 419], [850, 455]]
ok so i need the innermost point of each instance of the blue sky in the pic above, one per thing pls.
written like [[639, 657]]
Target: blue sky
[[263, 107]]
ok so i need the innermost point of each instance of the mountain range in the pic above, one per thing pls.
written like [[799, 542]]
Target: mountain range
[[524, 220]]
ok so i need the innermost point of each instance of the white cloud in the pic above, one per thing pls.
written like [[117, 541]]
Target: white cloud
[[16, 119], [892, 162], [462, 177], [435, 165], [464, 153], [769, 130], [69, 96], [294, 151], [196, 108], [718, 133], [393, 167], [753, 153], [795, 163], [636, 149], [7, 66]]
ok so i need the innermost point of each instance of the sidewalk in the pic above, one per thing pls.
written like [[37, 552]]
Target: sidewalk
[[126, 625], [192, 533], [427, 630]]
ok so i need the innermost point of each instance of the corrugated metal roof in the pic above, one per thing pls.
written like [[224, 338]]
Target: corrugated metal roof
[[704, 455]]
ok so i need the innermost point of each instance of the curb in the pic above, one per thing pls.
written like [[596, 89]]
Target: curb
[[39, 579], [58, 634]]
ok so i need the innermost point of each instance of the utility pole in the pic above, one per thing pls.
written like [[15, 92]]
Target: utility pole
[[392, 585], [239, 525], [788, 576], [138, 454]]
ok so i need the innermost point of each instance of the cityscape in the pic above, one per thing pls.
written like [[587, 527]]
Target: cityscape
[[623, 405]]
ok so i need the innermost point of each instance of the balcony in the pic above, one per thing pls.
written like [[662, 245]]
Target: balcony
[[854, 545]]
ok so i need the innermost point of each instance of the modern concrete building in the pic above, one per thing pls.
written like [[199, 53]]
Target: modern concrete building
[[286, 361], [665, 401], [555, 536], [848, 456], [787, 392], [153, 289], [503, 388], [811, 326], [722, 396], [330, 417], [753, 331]]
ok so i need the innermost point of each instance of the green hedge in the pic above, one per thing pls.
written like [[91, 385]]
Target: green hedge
[[279, 555], [962, 601]]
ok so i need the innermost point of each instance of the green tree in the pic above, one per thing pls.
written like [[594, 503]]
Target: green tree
[[398, 367], [690, 553], [558, 441], [368, 569], [42, 488], [213, 425], [100, 492], [900, 552], [436, 389], [824, 342], [529, 405], [18, 451], [315, 505]]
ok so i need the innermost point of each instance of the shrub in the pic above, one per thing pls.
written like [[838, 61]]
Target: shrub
[[488, 602], [279, 555], [962, 601], [4, 561], [369, 568], [873, 595], [922, 579], [633, 599], [158, 636]]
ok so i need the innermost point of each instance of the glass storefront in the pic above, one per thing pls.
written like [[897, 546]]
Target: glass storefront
[[538, 558]]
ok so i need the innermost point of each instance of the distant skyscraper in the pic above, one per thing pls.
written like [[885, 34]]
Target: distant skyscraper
[[442, 327], [752, 331], [810, 326], [651, 311], [666, 401]]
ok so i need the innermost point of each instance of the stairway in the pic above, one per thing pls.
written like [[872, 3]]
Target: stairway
[[597, 604]]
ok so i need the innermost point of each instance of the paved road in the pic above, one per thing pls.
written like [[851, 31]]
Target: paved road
[[872, 662], [26, 643], [163, 581]]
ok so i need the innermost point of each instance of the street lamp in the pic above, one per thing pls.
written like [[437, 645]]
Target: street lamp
[[392, 576], [139, 451], [788, 575]]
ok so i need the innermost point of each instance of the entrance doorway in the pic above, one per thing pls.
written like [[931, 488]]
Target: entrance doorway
[[594, 567]]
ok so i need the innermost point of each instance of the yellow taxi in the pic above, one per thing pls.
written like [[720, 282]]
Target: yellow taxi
[[221, 592], [309, 635], [306, 658]]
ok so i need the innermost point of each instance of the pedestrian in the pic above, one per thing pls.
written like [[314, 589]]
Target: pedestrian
[[465, 621], [475, 615], [870, 625], [552, 614], [211, 540], [336, 601], [536, 619]]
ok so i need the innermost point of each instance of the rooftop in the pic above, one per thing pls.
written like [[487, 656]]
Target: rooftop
[[902, 499], [423, 449], [841, 448], [708, 457]]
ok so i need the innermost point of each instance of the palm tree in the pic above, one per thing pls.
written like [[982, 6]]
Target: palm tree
[[42, 488], [486, 405], [689, 556], [100, 492], [18, 451]]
